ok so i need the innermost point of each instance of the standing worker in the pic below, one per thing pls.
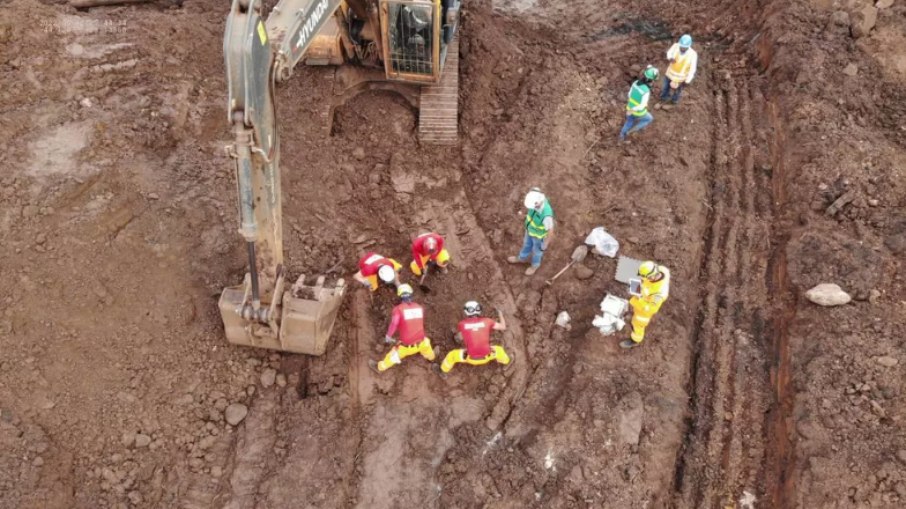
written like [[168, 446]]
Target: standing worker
[[409, 318], [655, 290], [637, 115], [428, 248], [374, 267], [475, 332], [683, 62], [539, 227]]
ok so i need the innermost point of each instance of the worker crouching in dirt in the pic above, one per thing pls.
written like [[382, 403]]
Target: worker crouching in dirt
[[428, 248], [375, 269], [409, 318], [637, 115], [475, 333], [539, 228], [654, 292]]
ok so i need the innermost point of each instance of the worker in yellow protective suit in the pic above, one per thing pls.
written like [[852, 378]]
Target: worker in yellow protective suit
[[654, 291]]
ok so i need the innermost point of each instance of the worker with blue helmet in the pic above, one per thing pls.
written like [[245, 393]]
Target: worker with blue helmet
[[681, 70]]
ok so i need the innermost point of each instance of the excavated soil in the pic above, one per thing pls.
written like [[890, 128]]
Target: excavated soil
[[781, 169]]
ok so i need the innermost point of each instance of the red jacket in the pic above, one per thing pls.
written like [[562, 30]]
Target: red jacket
[[419, 250], [476, 334], [409, 317], [371, 262]]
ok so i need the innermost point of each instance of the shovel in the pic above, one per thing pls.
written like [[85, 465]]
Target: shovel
[[578, 255], [421, 282]]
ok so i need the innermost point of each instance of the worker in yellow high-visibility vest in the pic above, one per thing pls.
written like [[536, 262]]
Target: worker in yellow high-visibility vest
[[683, 62]]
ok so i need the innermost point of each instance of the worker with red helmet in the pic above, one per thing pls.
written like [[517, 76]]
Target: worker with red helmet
[[375, 269], [407, 317], [475, 332], [428, 248]]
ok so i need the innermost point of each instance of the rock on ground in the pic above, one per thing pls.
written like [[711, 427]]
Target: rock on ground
[[267, 377], [862, 21], [236, 413], [887, 361], [828, 294]]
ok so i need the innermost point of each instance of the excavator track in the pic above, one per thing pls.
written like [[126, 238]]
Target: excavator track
[[438, 119]]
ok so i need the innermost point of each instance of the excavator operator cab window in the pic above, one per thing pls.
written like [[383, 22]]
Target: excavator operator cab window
[[412, 38]]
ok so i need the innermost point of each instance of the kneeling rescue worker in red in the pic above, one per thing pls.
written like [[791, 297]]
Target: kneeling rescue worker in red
[[409, 318], [374, 267], [475, 332]]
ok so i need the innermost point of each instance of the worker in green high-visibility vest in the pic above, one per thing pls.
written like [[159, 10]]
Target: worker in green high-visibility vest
[[539, 227], [637, 115]]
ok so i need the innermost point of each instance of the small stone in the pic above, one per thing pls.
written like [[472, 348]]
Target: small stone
[[86, 102], [216, 472], [828, 294], [142, 440], [128, 439], [583, 272], [221, 404], [250, 390], [281, 380], [862, 21], [267, 377], [873, 295], [840, 18], [153, 196], [41, 238], [851, 70], [135, 497], [236, 413], [873, 202], [901, 455], [887, 361], [358, 153], [883, 4], [38, 461]]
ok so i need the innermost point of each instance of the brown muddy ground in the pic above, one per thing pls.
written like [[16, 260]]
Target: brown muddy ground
[[117, 220]]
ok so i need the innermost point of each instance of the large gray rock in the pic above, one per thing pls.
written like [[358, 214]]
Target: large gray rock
[[828, 294], [862, 21], [236, 413]]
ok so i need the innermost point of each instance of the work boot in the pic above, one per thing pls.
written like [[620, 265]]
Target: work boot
[[440, 373], [372, 365], [628, 344], [515, 259], [531, 270]]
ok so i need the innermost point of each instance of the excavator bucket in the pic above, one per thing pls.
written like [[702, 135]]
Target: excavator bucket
[[306, 317]]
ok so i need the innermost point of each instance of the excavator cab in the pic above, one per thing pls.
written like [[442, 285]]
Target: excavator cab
[[417, 34]]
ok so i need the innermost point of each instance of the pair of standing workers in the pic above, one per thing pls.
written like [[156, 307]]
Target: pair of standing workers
[[408, 317], [680, 72]]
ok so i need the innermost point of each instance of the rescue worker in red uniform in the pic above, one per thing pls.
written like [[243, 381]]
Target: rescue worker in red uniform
[[428, 248], [475, 332], [374, 267], [409, 318]]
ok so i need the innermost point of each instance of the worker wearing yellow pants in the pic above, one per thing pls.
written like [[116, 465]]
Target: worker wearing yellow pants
[[654, 291], [459, 355], [399, 352], [428, 247]]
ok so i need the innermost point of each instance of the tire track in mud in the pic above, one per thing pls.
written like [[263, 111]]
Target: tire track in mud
[[723, 452]]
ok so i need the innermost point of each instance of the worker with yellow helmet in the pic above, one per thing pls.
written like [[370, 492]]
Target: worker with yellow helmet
[[655, 289]]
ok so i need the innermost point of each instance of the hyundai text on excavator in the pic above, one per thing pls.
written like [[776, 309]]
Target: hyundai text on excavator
[[405, 46]]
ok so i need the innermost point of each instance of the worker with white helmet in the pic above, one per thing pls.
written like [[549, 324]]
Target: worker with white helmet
[[375, 269], [409, 319], [475, 332], [428, 248], [653, 293], [683, 63], [539, 227], [637, 115]]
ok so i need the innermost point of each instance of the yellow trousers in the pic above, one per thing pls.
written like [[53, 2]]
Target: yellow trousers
[[642, 313], [459, 355], [443, 258], [400, 352]]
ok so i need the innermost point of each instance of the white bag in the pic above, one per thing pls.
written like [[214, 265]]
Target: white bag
[[604, 244]]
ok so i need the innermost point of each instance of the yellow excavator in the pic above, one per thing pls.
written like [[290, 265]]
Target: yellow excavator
[[405, 46]]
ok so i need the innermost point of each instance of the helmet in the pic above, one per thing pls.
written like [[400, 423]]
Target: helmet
[[386, 273], [431, 244], [685, 41], [472, 308], [404, 291], [651, 73], [648, 269], [534, 199]]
